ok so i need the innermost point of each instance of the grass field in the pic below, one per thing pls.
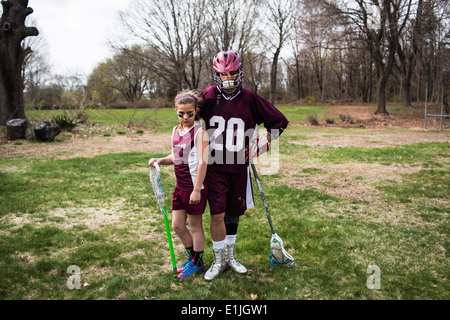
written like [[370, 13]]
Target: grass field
[[343, 199]]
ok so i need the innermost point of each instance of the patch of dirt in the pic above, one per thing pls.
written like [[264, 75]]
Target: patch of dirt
[[399, 128], [373, 139], [364, 117], [352, 181], [68, 145], [357, 181]]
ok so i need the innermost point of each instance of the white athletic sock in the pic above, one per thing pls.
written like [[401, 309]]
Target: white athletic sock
[[218, 244], [230, 239]]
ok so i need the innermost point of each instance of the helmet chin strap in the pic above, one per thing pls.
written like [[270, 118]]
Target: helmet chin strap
[[228, 94], [230, 91]]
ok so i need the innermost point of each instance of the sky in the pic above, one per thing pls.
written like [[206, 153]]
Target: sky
[[76, 32]]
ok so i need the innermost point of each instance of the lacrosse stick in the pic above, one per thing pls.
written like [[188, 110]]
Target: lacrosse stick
[[278, 255], [155, 178]]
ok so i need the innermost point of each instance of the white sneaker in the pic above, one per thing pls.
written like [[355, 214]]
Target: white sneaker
[[231, 261], [218, 265]]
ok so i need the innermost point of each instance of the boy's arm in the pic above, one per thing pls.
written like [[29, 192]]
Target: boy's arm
[[274, 121]]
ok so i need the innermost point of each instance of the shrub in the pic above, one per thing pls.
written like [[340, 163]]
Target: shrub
[[310, 100], [65, 121], [312, 119], [346, 118], [329, 120]]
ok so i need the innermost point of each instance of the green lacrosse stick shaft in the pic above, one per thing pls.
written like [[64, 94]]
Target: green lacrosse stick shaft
[[159, 193], [169, 239]]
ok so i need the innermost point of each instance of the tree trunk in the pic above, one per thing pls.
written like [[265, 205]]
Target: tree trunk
[[381, 108], [406, 90], [12, 55], [273, 76], [383, 76], [298, 76], [407, 56]]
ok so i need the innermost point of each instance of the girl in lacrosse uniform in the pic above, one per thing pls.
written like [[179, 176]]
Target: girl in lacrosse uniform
[[189, 156], [232, 115]]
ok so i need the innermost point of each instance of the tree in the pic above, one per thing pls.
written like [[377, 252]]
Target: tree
[[381, 23], [35, 69], [422, 24], [433, 52], [294, 67], [234, 24], [100, 85], [255, 70], [314, 30], [175, 31], [279, 20], [127, 75], [12, 32]]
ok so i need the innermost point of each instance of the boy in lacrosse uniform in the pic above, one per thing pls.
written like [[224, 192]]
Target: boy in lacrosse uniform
[[232, 115]]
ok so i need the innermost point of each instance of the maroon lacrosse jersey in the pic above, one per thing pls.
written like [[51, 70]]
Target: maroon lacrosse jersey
[[232, 123], [185, 157]]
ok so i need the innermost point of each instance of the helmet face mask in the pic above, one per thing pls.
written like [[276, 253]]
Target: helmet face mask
[[228, 80], [228, 73]]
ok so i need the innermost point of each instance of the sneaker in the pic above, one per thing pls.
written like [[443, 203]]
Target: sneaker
[[190, 270], [186, 264], [231, 261], [218, 265]]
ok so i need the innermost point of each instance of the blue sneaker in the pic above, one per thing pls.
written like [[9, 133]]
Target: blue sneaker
[[190, 270], [186, 264]]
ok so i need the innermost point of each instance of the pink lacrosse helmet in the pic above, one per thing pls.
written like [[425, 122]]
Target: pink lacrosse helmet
[[228, 62]]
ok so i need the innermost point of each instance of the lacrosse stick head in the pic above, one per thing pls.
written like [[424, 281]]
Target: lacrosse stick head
[[278, 255], [155, 178]]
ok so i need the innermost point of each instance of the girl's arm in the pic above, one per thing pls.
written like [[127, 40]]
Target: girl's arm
[[203, 150], [165, 161]]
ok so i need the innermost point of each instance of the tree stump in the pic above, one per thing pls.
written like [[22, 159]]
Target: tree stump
[[16, 129], [46, 132]]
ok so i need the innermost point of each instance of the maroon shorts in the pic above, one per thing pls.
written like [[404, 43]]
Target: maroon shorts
[[229, 192], [180, 201]]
